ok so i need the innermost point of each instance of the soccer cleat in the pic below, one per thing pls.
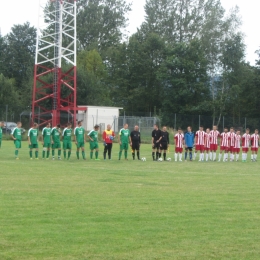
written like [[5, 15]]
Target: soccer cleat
[[17, 158], [36, 158], [53, 158], [30, 158], [97, 159]]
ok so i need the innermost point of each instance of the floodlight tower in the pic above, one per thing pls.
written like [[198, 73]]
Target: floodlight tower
[[55, 87]]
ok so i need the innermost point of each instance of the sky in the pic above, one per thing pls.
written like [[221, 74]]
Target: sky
[[18, 12]]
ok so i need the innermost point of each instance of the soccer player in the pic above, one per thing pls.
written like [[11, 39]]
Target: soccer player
[[189, 142], [237, 145], [108, 137], [55, 141], [246, 138], [66, 135], [254, 146], [124, 140], [80, 139], [231, 138], [179, 140], [93, 137], [164, 144], [46, 135], [33, 140], [207, 143], [156, 138], [1, 132], [200, 143], [135, 138], [214, 134], [17, 137], [224, 146]]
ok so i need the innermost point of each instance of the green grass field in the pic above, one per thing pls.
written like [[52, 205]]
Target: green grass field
[[127, 209]]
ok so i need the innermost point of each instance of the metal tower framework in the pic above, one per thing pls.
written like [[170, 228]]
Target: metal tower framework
[[55, 86]]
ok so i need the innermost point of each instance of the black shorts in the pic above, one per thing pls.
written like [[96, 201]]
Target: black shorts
[[188, 148], [164, 146], [156, 146], [135, 146]]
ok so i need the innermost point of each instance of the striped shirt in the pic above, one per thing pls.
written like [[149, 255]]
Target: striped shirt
[[231, 138], [200, 137], [246, 140], [237, 141], [179, 140], [214, 136], [255, 140], [224, 139], [207, 140]]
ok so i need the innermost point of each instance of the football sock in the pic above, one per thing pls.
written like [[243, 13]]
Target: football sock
[[64, 154], [30, 153], [176, 157], [153, 155], [59, 153], [138, 155], [190, 155], [125, 154], [77, 154], [252, 156], [237, 156], [160, 154], [53, 153], [195, 154], [157, 155], [219, 157], [186, 155], [120, 155], [202, 156], [96, 154], [48, 154], [43, 154], [207, 157], [164, 156], [214, 156], [36, 154], [91, 155], [133, 154], [16, 153], [210, 156], [180, 156], [255, 156], [69, 153], [83, 155], [105, 155]]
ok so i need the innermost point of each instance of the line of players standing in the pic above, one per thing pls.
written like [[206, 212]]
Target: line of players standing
[[206, 144]]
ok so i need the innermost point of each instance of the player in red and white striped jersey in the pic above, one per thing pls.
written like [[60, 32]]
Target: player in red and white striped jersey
[[214, 135], [254, 145], [246, 138], [237, 145], [224, 145], [179, 140], [200, 143], [207, 143], [231, 139]]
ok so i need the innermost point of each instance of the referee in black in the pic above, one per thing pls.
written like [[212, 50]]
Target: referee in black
[[156, 138], [135, 137], [164, 145]]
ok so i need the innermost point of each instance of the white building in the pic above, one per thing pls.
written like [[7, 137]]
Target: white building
[[102, 116]]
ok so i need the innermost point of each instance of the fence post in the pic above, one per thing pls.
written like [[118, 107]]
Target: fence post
[[175, 122], [124, 117]]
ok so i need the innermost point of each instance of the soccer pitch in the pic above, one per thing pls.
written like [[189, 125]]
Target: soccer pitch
[[127, 209]]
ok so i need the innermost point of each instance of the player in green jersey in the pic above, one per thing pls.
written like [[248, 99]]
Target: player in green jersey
[[55, 141], [124, 139], [80, 139], [33, 140], [66, 134], [17, 137], [93, 137], [1, 132], [46, 142]]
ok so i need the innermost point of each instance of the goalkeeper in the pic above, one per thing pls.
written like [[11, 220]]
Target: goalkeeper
[[108, 137]]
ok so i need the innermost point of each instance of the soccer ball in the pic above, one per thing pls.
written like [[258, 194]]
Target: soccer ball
[[160, 160], [111, 137], [144, 159], [169, 159]]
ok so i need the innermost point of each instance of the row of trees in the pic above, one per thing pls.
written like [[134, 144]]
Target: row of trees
[[187, 57]]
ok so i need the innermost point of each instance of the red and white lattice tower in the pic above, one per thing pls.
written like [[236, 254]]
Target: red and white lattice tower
[[55, 86]]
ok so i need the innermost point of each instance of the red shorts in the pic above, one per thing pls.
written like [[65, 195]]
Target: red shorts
[[178, 150], [232, 149], [245, 150], [206, 148], [213, 147], [199, 147], [224, 148], [254, 149], [236, 150]]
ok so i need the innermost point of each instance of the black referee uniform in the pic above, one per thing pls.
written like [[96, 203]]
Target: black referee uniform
[[156, 135], [136, 141], [164, 143]]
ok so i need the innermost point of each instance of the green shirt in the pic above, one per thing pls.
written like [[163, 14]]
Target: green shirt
[[17, 133], [46, 134], [93, 135], [33, 134], [79, 132], [67, 134], [1, 132], [55, 135], [124, 135]]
